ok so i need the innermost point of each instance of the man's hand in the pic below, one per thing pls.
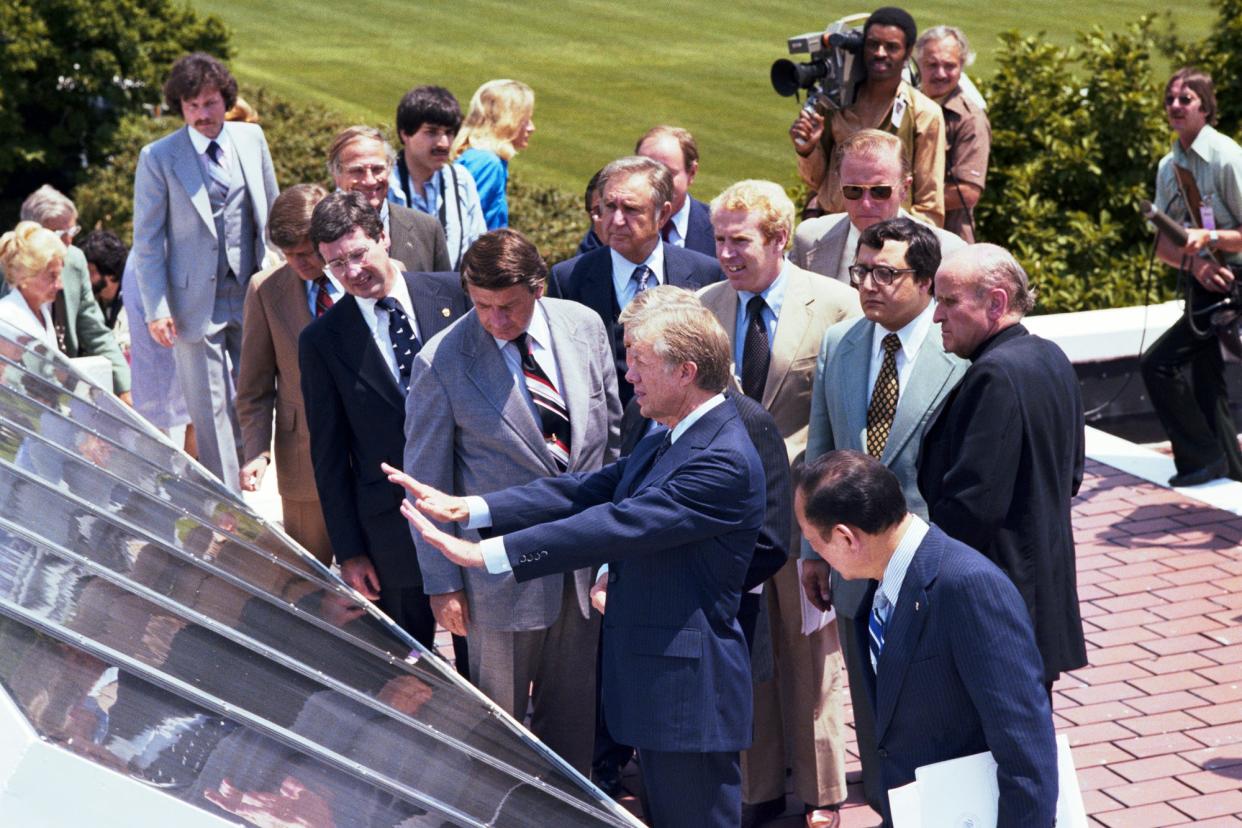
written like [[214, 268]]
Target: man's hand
[[163, 331], [451, 611], [360, 574], [251, 475], [816, 585], [807, 131], [461, 552], [440, 506], [126, 397], [1214, 277], [599, 594]]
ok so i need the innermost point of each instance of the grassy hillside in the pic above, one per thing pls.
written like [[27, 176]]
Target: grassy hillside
[[602, 71]]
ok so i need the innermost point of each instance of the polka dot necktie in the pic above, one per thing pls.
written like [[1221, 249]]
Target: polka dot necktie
[[401, 333], [756, 350], [883, 398]]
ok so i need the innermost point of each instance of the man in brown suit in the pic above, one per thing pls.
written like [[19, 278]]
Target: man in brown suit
[[279, 303], [775, 314]]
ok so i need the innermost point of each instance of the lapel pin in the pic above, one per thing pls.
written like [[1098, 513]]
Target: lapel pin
[[916, 606], [444, 312]]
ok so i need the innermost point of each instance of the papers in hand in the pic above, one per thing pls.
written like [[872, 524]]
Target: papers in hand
[[813, 620], [963, 793]]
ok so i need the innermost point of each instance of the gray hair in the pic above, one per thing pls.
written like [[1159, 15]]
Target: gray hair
[[679, 329], [47, 204], [996, 267], [658, 176], [351, 135], [937, 33]]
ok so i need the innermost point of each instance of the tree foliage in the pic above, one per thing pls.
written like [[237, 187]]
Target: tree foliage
[[71, 70]]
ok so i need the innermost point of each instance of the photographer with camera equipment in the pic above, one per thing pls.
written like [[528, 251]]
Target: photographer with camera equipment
[[882, 100], [941, 53], [1199, 185]]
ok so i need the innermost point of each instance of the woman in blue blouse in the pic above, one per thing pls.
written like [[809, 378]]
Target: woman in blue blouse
[[496, 128]]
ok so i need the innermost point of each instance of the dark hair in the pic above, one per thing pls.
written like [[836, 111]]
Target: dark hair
[[591, 187], [924, 252], [339, 213], [893, 16], [851, 488], [1200, 83], [289, 219], [501, 259], [428, 105], [191, 74], [105, 250]]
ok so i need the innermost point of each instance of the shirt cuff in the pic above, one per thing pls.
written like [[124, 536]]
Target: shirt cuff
[[494, 556], [480, 515], [603, 573]]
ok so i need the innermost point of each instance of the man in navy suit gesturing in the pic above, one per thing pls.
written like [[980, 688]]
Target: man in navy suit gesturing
[[954, 667], [676, 521]]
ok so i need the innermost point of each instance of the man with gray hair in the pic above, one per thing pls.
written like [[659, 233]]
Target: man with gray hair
[[80, 326], [676, 521], [360, 160], [636, 201], [1004, 458], [941, 53]]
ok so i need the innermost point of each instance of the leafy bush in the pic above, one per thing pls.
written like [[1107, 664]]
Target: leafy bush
[[1077, 135], [71, 70]]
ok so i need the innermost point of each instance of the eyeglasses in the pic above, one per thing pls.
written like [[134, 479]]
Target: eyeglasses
[[880, 192], [1184, 100], [341, 266], [360, 172], [67, 235], [881, 274]]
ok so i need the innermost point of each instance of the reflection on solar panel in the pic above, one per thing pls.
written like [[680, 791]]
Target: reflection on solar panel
[[152, 624]]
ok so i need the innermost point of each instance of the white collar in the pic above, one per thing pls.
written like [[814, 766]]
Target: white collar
[[623, 268], [694, 416], [537, 331], [912, 334], [201, 141]]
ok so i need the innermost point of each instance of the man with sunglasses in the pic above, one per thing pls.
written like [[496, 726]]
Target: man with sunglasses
[[874, 180], [1194, 409], [877, 382], [884, 101], [355, 362]]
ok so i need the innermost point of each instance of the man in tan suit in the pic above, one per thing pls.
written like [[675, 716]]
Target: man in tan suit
[[775, 314], [279, 303]]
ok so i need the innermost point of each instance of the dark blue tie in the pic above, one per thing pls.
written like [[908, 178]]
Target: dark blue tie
[[401, 333], [880, 609], [219, 183]]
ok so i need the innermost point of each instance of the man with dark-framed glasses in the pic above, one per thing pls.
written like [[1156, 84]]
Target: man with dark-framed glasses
[[877, 383], [874, 179]]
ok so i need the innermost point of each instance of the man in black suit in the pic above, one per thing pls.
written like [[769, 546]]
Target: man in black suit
[[355, 362], [637, 200], [1002, 460], [361, 160], [690, 225]]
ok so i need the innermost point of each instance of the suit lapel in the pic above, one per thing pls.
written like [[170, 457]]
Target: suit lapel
[[359, 351], [856, 352], [487, 370], [252, 173], [190, 174], [431, 307], [905, 629], [677, 271], [832, 248], [931, 370], [597, 290], [793, 325], [291, 307]]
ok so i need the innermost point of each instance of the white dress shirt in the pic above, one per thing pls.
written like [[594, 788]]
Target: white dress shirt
[[376, 319], [912, 337]]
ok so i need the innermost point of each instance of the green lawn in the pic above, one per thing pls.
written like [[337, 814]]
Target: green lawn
[[602, 71]]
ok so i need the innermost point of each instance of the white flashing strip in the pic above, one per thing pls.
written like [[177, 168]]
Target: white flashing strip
[[1102, 335], [1157, 468]]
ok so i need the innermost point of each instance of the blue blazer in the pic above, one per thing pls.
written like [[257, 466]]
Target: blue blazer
[[588, 279], [960, 674], [700, 236], [678, 539]]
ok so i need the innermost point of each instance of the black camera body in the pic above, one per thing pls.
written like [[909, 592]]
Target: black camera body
[[834, 71]]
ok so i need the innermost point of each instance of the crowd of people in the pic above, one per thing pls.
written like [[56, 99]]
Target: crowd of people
[[704, 470]]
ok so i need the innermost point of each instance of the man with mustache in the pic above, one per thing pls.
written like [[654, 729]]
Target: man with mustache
[[883, 101], [201, 199]]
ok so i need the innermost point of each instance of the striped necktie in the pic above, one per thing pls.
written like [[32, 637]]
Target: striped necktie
[[876, 624], [553, 415], [323, 299]]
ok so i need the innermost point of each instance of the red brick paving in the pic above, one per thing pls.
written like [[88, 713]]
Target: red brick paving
[[1155, 720]]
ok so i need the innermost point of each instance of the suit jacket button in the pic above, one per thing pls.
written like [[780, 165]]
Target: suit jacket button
[[882, 752], [612, 577]]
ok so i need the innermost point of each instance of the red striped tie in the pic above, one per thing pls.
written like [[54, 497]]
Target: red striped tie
[[323, 300], [553, 415]]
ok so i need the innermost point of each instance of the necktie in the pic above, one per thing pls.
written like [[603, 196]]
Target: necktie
[[219, 183], [323, 300], [883, 398], [401, 333], [553, 415], [756, 350], [876, 624], [661, 450], [641, 277]]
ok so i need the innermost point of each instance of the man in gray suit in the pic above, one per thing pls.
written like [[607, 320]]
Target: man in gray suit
[[522, 387], [878, 381], [360, 161], [201, 198], [875, 178]]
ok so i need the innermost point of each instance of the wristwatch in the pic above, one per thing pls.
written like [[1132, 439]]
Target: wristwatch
[[1213, 238]]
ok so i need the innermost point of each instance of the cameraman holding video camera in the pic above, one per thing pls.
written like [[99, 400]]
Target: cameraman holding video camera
[[882, 101], [1199, 185]]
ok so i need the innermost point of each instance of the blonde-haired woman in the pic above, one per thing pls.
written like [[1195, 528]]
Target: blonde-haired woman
[[496, 128], [32, 257]]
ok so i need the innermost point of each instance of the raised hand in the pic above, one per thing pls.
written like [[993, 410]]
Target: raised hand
[[430, 500]]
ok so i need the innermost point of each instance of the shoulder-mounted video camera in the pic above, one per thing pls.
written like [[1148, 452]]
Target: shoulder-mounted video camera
[[834, 71]]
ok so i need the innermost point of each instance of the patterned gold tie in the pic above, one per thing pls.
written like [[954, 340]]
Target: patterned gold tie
[[883, 398]]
